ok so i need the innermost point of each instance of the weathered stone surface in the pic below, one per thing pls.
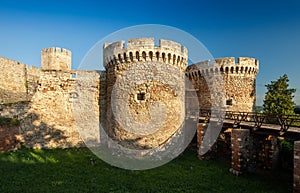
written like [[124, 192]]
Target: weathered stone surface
[[140, 77], [56, 59], [235, 80], [240, 150], [49, 117], [47, 120], [296, 166]]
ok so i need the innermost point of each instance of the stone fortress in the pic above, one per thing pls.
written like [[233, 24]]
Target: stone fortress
[[43, 98]]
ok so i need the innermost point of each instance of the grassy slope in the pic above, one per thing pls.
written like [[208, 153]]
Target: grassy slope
[[72, 170]]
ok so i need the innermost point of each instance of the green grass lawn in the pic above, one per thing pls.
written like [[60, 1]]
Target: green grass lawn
[[74, 170]]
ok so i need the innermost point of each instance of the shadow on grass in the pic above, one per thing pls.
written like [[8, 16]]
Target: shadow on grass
[[78, 170]]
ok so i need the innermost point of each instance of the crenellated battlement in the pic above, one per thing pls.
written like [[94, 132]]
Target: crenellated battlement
[[234, 77], [56, 58], [139, 73], [144, 49], [56, 50], [244, 65]]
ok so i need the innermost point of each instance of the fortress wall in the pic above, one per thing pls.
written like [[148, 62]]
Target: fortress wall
[[238, 82], [13, 86], [242, 92], [15, 110], [202, 90], [103, 99], [50, 121], [10, 137], [33, 75]]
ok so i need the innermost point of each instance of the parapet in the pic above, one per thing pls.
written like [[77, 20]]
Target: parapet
[[244, 65], [6, 62], [225, 61], [56, 58], [144, 49], [33, 71], [55, 50], [140, 42]]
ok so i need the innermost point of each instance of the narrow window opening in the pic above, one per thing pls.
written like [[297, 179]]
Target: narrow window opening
[[157, 56], [144, 56], [229, 102], [141, 96], [73, 75], [164, 57], [151, 55], [131, 56]]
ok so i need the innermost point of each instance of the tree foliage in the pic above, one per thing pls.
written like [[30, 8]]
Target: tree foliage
[[279, 97]]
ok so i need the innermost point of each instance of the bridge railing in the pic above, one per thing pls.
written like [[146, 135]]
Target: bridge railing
[[259, 119]]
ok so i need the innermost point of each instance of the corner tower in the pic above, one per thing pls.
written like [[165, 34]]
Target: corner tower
[[239, 81], [141, 77], [56, 58]]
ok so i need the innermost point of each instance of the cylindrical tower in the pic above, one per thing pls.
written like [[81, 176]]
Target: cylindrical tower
[[239, 82], [145, 91], [56, 59]]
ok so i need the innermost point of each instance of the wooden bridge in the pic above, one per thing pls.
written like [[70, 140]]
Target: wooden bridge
[[281, 124], [244, 123]]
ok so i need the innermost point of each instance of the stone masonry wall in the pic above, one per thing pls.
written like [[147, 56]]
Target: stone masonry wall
[[240, 151], [142, 77], [47, 117], [10, 137], [18, 82], [12, 81], [209, 86], [87, 103], [296, 166], [14, 110], [56, 58], [50, 120], [33, 75], [238, 82], [241, 91]]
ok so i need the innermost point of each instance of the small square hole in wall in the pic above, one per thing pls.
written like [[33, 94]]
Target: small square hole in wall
[[141, 96], [73, 75], [229, 102]]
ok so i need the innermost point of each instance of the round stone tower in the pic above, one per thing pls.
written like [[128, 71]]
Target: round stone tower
[[56, 59], [145, 91], [239, 82]]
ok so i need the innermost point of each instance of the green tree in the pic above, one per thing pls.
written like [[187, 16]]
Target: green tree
[[279, 97]]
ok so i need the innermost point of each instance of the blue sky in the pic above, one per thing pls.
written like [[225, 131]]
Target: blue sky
[[266, 30]]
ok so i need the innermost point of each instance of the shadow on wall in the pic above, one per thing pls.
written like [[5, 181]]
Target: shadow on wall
[[41, 135], [15, 133], [7, 96], [9, 134]]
